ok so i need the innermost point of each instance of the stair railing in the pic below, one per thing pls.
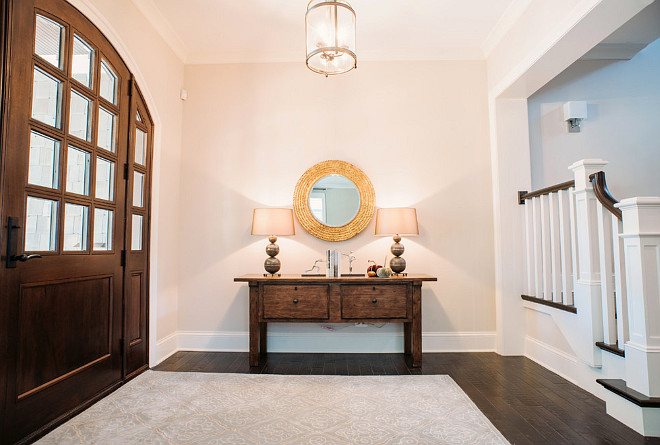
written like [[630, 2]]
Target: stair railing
[[550, 245], [612, 268]]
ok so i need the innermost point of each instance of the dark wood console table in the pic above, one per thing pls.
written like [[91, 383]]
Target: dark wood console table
[[294, 298]]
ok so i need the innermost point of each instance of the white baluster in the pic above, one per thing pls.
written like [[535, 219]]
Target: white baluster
[[566, 252], [620, 283], [529, 247], [555, 249], [606, 270], [545, 248], [538, 280], [575, 270]]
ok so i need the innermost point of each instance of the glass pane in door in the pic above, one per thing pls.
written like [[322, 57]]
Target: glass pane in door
[[138, 189], [140, 146], [77, 171], [82, 65], [48, 41], [44, 161], [79, 113], [105, 179], [136, 234], [106, 137], [103, 229], [108, 83], [46, 98], [40, 225], [75, 227]]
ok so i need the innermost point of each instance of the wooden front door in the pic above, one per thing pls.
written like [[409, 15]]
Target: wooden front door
[[69, 217]]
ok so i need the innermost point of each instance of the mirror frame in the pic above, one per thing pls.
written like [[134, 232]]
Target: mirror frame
[[317, 228]]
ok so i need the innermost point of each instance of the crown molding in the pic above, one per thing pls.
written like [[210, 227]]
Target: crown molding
[[153, 15], [503, 25]]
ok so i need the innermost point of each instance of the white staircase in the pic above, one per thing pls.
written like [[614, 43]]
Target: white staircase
[[594, 263]]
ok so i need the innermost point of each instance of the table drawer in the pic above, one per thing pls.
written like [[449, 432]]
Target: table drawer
[[295, 302], [364, 301]]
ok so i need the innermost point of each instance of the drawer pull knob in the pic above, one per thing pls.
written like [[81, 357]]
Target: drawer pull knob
[[374, 301], [295, 288], [373, 288], [295, 301]]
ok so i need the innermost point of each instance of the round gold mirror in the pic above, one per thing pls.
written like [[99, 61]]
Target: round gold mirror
[[334, 200]]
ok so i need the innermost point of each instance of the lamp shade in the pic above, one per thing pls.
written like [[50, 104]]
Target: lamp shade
[[397, 221], [278, 222]]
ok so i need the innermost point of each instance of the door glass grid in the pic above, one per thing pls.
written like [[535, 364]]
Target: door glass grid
[[82, 65], [48, 41], [40, 224], [108, 83], [44, 161], [75, 227], [105, 179], [140, 146], [106, 130], [138, 189], [84, 226], [77, 171], [46, 98], [103, 219], [80, 110], [136, 232]]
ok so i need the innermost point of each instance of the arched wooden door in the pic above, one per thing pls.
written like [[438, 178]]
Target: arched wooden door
[[76, 160]]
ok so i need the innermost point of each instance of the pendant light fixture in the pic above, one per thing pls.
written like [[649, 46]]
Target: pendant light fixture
[[330, 28]]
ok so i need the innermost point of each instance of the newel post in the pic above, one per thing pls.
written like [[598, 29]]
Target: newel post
[[587, 299], [641, 241]]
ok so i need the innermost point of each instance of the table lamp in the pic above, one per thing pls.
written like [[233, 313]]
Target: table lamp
[[273, 223], [397, 222]]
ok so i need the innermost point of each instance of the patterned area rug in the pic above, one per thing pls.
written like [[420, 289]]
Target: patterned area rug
[[202, 408]]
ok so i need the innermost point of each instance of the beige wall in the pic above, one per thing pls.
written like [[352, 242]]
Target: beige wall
[[159, 74], [419, 130]]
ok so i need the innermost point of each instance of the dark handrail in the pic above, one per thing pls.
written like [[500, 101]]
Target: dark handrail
[[603, 194], [522, 196]]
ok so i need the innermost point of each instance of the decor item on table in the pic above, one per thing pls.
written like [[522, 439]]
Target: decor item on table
[[333, 261], [334, 200], [330, 30], [397, 222], [273, 223], [371, 270], [384, 272], [315, 269], [351, 258]]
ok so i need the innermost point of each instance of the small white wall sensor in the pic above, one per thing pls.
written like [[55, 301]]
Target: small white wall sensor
[[574, 112]]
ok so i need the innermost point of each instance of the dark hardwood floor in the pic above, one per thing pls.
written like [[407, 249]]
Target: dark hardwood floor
[[526, 402]]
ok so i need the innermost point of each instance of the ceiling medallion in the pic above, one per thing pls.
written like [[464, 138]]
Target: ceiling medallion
[[330, 29]]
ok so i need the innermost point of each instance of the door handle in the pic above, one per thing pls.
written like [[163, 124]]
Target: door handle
[[23, 258], [12, 244]]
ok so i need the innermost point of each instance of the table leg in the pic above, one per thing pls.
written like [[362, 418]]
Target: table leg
[[254, 326], [406, 338], [417, 327], [263, 338]]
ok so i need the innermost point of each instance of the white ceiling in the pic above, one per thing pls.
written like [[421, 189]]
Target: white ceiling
[[243, 31]]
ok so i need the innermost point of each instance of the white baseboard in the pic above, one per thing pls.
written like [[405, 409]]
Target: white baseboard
[[166, 347], [557, 361], [338, 342]]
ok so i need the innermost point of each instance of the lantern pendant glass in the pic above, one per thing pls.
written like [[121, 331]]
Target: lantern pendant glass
[[330, 27]]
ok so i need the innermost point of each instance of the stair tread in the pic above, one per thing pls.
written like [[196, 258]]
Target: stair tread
[[614, 349], [619, 387]]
